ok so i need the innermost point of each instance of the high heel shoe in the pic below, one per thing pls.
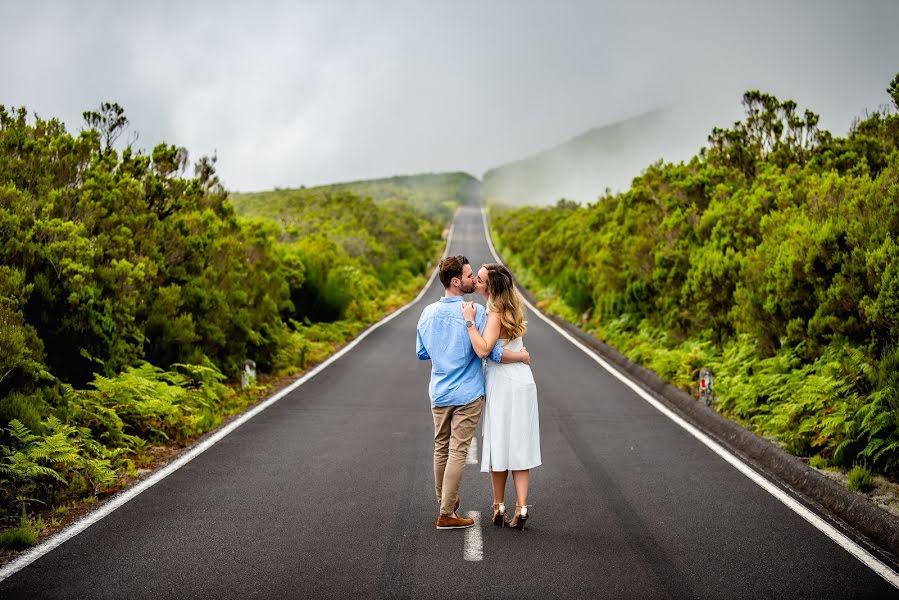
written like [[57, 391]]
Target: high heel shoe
[[499, 513], [521, 517]]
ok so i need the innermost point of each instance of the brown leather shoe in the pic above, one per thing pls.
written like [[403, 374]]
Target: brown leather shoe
[[453, 521]]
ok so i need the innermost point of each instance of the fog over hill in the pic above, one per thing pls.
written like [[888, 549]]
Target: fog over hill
[[609, 156]]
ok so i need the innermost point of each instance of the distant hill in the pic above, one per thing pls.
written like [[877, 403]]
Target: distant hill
[[583, 167], [435, 195]]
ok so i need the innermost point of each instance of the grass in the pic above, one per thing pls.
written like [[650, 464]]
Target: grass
[[819, 462], [860, 479], [23, 536]]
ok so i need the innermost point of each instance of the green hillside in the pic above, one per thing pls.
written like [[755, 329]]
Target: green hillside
[[434, 195]]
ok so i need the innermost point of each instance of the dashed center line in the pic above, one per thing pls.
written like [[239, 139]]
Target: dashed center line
[[474, 545], [472, 458]]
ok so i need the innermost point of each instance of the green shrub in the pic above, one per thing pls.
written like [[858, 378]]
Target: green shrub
[[819, 462], [23, 536], [575, 288], [29, 409], [860, 479]]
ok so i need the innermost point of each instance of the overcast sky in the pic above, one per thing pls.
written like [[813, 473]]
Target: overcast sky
[[291, 93]]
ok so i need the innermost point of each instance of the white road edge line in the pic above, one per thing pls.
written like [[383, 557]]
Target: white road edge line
[[123, 497], [472, 458], [474, 545], [837, 536]]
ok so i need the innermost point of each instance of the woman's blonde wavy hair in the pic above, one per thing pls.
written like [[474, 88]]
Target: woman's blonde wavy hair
[[503, 298]]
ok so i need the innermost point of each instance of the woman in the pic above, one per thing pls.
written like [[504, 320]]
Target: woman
[[510, 425]]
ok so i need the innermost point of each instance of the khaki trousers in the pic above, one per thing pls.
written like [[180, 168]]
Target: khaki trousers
[[454, 426]]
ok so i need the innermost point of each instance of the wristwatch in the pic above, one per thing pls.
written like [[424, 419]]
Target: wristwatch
[[469, 323]]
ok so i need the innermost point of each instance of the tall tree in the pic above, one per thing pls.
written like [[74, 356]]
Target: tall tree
[[110, 122], [893, 90]]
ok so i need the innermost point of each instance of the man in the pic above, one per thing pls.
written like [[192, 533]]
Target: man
[[457, 382]]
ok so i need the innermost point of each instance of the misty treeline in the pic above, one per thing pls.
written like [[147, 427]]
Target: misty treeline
[[771, 257], [131, 293]]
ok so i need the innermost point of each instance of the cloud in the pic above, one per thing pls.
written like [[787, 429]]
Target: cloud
[[290, 93]]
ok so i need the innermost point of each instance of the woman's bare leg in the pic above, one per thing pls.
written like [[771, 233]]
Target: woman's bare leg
[[521, 480], [498, 479]]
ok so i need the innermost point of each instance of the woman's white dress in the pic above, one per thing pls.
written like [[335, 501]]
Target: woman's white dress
[[510, 425]]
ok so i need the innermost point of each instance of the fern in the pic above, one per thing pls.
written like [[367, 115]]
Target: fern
[[21, 467]]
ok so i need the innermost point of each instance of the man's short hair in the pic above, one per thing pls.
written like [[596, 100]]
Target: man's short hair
[[450, 267]]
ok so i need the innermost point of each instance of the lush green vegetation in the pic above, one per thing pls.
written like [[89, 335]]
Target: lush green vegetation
[[132, 293], [435, 195], [860, 480], [772, 257], [380, 227]]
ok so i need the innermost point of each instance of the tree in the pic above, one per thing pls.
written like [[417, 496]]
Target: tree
[[893, 90], [773, 132], [110, 122]]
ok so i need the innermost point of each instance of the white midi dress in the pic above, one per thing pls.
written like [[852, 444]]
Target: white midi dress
[[511, 428]]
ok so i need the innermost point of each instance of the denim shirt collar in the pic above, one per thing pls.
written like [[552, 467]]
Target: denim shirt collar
[[452, 299]]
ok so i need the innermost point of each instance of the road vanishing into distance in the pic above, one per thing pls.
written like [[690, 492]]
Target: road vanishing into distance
[[328, 493]]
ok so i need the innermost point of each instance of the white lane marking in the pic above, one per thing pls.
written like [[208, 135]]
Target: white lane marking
[[474, 545], [869, 560], [472, 458], [80, 525]]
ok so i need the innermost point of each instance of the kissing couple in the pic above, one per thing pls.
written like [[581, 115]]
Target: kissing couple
[[456, 336]]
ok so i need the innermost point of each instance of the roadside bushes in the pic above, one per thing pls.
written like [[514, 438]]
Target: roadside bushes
[[771, 256], [131, 292], [92, 434]]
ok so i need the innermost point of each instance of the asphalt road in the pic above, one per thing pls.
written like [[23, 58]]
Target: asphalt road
[[329, 493]]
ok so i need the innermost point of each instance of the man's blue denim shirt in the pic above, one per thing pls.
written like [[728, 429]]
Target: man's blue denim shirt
[[457, 377]]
